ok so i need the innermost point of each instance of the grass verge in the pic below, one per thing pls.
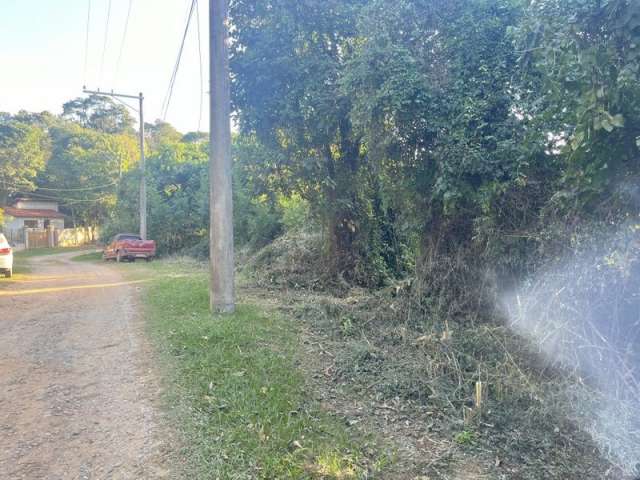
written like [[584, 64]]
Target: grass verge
[[238, 393], [88, 257]]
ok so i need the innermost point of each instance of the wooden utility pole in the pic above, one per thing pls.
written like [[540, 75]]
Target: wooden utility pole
[[222, 290], [143, 169]]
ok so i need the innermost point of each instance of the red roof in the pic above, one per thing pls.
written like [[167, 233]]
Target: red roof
[[28, 213]]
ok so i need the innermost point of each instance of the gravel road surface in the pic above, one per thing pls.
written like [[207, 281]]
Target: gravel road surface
[[78, 396]]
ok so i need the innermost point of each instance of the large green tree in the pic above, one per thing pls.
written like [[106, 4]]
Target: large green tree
[[85, 169], [99, 113], [288, 60], [177, 188], [438, 104], [585, 55], [23, 152]]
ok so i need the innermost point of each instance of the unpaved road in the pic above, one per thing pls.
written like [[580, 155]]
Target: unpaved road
[[77, 393]]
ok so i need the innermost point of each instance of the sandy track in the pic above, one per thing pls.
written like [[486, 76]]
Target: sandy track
[[77, 394]]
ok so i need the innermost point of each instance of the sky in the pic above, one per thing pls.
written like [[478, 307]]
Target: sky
[[42, 55]]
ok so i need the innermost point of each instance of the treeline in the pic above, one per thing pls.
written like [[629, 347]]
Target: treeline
[[86, 159], [419, 130], [76, 159]]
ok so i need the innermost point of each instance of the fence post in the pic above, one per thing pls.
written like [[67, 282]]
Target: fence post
[[26, 238], [50, 239]]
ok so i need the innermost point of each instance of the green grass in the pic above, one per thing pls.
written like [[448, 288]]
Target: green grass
[[88, 257], [465, 437], [240, 401]]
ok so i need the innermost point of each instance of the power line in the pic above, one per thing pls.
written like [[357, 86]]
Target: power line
[[67, 201], [124, 38], [106, 38], [126, 104], [84, 189], [86, 43], [174, 75], [200, 61]]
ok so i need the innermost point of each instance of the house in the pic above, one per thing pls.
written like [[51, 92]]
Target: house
[[32, 214], [28, 213]]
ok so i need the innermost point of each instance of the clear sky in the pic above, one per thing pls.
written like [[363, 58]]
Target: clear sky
[[42, 55]]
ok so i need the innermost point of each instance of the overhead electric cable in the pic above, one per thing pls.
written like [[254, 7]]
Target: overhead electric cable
[[126, 104], [106, 38], [176, 67], [86, 43], [65, 200], [174, 74], [124, 39], [84, 189]]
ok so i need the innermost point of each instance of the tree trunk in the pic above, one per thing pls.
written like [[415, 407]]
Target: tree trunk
[[341, 223]]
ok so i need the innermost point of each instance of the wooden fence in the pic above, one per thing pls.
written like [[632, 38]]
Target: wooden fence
[[51, 238], [36, 238]]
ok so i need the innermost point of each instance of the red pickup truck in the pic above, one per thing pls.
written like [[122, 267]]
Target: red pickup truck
[[128, 246]]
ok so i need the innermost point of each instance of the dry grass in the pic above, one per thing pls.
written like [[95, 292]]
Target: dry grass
[[404, 362], [583, 315]]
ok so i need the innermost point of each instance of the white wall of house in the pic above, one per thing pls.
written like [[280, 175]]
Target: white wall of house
[[15, 224]]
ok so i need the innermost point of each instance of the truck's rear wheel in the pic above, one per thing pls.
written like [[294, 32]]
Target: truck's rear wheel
[[8, 273]]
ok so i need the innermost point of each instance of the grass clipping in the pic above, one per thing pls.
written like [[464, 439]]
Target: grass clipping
[[437, 351]]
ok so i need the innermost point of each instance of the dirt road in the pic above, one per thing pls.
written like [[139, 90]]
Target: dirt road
[[77, 393]]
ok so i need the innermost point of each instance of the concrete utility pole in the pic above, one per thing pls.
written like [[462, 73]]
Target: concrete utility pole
[[143, 175], [222, 291], [143, 168]]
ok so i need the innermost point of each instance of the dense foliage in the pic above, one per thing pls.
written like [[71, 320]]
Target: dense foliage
[[419, 128], [22, 156], [406, 131]]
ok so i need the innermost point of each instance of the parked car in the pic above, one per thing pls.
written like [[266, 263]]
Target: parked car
[[128, 246], [6, 257]]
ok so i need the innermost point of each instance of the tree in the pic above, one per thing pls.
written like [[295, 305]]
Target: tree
[[585, 56], [288, 58], [195, 137], [441, 116], [99, 113], [159, 133], [85, 169], [177, 182], [23, 153]]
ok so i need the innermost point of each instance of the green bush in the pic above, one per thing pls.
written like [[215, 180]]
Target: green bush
[[295, 212]]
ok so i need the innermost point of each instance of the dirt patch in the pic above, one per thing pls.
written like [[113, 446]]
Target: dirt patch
[[78, 396]]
